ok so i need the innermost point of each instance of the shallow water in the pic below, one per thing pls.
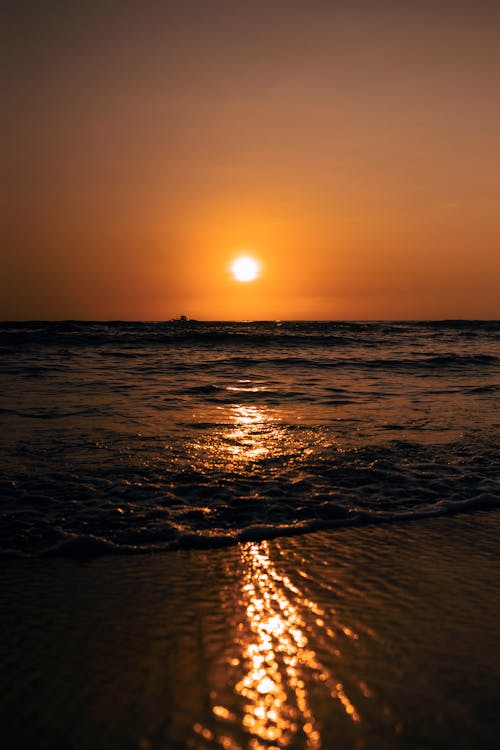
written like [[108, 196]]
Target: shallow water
[[378, 637], [127, 437]]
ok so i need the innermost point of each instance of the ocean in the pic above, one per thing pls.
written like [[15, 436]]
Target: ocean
[[141, 437]]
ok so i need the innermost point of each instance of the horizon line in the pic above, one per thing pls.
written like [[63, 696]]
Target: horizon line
[[249, 320]]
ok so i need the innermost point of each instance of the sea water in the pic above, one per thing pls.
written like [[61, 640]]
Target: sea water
[[138, 437]]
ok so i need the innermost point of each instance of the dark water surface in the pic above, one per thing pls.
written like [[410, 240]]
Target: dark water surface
[[375, 638], [128, 437]]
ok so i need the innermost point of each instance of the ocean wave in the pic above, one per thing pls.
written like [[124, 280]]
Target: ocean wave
[[114, 444], [122, 335], [200, 496], [407, 364], [87, 546]]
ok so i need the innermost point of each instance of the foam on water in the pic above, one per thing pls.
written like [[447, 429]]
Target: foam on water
[[126, 437]]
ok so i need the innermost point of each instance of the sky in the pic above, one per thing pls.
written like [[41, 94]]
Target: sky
[[351, 148]]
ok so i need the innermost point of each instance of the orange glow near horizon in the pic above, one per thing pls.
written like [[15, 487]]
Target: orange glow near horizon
[[356, 155]]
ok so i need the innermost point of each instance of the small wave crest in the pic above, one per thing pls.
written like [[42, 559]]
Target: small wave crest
[[204, 496], [87, 546]]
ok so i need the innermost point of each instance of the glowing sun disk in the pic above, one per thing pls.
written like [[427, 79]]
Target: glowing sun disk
[[245, 269]]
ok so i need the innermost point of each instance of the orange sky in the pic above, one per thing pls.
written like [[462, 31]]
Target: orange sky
[[352, 147]]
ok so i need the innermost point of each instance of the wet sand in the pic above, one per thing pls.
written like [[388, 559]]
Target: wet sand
[[376, 637]]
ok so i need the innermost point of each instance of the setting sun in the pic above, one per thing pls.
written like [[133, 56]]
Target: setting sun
[[245, 269]]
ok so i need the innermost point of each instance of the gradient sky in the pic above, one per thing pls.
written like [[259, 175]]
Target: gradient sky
[[352, 147]]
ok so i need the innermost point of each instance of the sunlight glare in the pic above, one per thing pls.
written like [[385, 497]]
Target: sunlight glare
[[245, 269]]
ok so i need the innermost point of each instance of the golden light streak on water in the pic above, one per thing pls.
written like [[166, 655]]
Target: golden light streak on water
[[279, 659], [246, 442], [252, 434], [279, 626]]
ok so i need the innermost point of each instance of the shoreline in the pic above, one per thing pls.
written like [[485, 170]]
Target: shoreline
[[90, 547], [369, 636]]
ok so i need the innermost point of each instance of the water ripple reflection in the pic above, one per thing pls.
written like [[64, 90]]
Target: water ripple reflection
[[278, 677]]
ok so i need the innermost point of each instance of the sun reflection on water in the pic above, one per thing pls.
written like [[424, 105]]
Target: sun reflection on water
[[276, 697], [281, 664], [246, 436], [280, 679], [245, 439], [251, 434]]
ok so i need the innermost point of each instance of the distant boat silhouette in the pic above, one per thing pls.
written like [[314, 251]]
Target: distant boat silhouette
[[183, 319]]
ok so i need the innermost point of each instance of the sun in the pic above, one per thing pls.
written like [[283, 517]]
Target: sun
[[245, 268]]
